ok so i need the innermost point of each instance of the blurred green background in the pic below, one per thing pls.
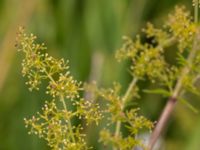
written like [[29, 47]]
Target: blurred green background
[[87, 32]]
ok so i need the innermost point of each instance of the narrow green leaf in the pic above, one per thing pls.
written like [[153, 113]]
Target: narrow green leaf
[[181, 60], [190, 106], [193, 89], [158, 91]]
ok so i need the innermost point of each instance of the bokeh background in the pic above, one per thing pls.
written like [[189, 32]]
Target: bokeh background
[[87, 32]]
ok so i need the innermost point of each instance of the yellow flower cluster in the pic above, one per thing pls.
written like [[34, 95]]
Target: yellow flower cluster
[[65, 86], [116, 111], [182, 27], [38, 65], [148, 57], [54, 123], [88, 110], [134, 123]]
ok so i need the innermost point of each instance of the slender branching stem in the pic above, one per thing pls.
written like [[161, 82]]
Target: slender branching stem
[[69, 122], [171, 102], [169, 107], [124, 100], [132, 84], [65, 108], [129, 90], [61, 98]]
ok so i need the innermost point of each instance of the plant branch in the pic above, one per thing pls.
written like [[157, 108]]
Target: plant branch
[[124, 99], [132, 84], [178, 88], [162, 122], [164, 118], [65, 108], [69, 122], [61, 98]]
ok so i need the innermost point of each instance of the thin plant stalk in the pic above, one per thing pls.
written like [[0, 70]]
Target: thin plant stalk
[[171, 103], [65, 108], [124, 99], [69, 122], [128, 92]]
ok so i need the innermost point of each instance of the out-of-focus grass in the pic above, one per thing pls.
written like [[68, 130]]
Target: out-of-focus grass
[[74, 30]]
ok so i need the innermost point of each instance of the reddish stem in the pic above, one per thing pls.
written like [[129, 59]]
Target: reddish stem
[[162, 122]]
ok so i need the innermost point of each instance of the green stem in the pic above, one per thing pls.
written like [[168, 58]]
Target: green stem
[[128, 92], [124, 100], [69, 122], [65, 107], [132, 84], [196, 13]]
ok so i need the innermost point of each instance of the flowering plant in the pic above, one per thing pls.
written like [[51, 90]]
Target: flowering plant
[[54, 122]]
